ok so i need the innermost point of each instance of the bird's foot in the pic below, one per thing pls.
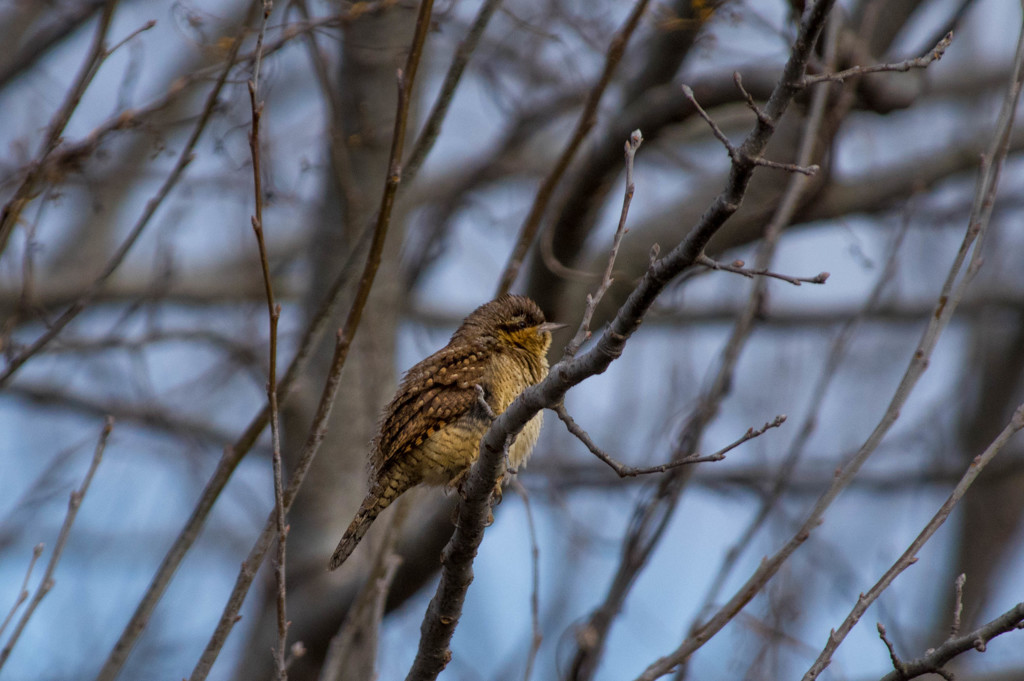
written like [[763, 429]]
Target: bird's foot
[[481, 399]]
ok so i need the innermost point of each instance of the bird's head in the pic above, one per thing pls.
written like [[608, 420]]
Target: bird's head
[[512, 321]]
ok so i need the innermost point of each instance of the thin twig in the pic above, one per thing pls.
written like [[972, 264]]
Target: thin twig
[[958, 606], [624, 471], [652, 517], [933, 660], [37, 551], [345, 336], [229, 461], [784, 474], [74, 503], [897, 664], [435, 119], [184, 158], [588, 116], [735, 153], [583, 333], [25, 192], [536, 636], [917, 63], [909, 556], [340, 158], [737, 268], [274, 314]]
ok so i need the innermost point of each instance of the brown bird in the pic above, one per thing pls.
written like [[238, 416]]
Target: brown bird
[[431, 430]]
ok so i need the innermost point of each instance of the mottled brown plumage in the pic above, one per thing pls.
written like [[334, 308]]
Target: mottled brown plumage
[[431, 431]]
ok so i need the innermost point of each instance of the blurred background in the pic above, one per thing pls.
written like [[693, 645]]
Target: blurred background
[[128, 288]]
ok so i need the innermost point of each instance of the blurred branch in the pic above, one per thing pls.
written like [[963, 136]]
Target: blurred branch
[[318, 429], [787, 316], [536, 635], [274, 314], [360, 630], [156, 418], [184, 158], [22, 596], [28, 189], [140, 618], [42, 41], [584, 123], [784, 476], [47, 582], [903, 66], [435, 119], [652, 514]]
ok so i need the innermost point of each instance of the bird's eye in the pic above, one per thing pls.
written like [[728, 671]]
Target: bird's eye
[[517, 323]]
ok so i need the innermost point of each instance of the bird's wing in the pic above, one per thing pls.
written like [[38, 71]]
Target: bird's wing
[[434, 393]]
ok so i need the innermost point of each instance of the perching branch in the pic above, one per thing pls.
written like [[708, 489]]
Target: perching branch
[[456, 572]]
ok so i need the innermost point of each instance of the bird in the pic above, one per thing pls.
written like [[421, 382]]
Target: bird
[[431, 430]]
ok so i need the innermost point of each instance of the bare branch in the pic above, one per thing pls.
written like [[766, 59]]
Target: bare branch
[[583, 333], [958, 606], [897, 664], [909, 557], [734, 151], [37, 551], [949, 298], [27, 190], [74, 503], [537, 637], [624, 471], [274, 314], [318, 430], [737, 268], [906, 65], [184, 158], [584, 123], [435, 119], [933, 660]]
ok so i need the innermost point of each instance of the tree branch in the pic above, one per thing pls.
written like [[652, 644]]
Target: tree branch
[[74, 503], [456, 573], [584, 123]]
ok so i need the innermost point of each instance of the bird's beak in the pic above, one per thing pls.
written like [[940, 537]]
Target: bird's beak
[[549, 326]]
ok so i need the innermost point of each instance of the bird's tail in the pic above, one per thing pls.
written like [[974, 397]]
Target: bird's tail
[[381, 494]]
